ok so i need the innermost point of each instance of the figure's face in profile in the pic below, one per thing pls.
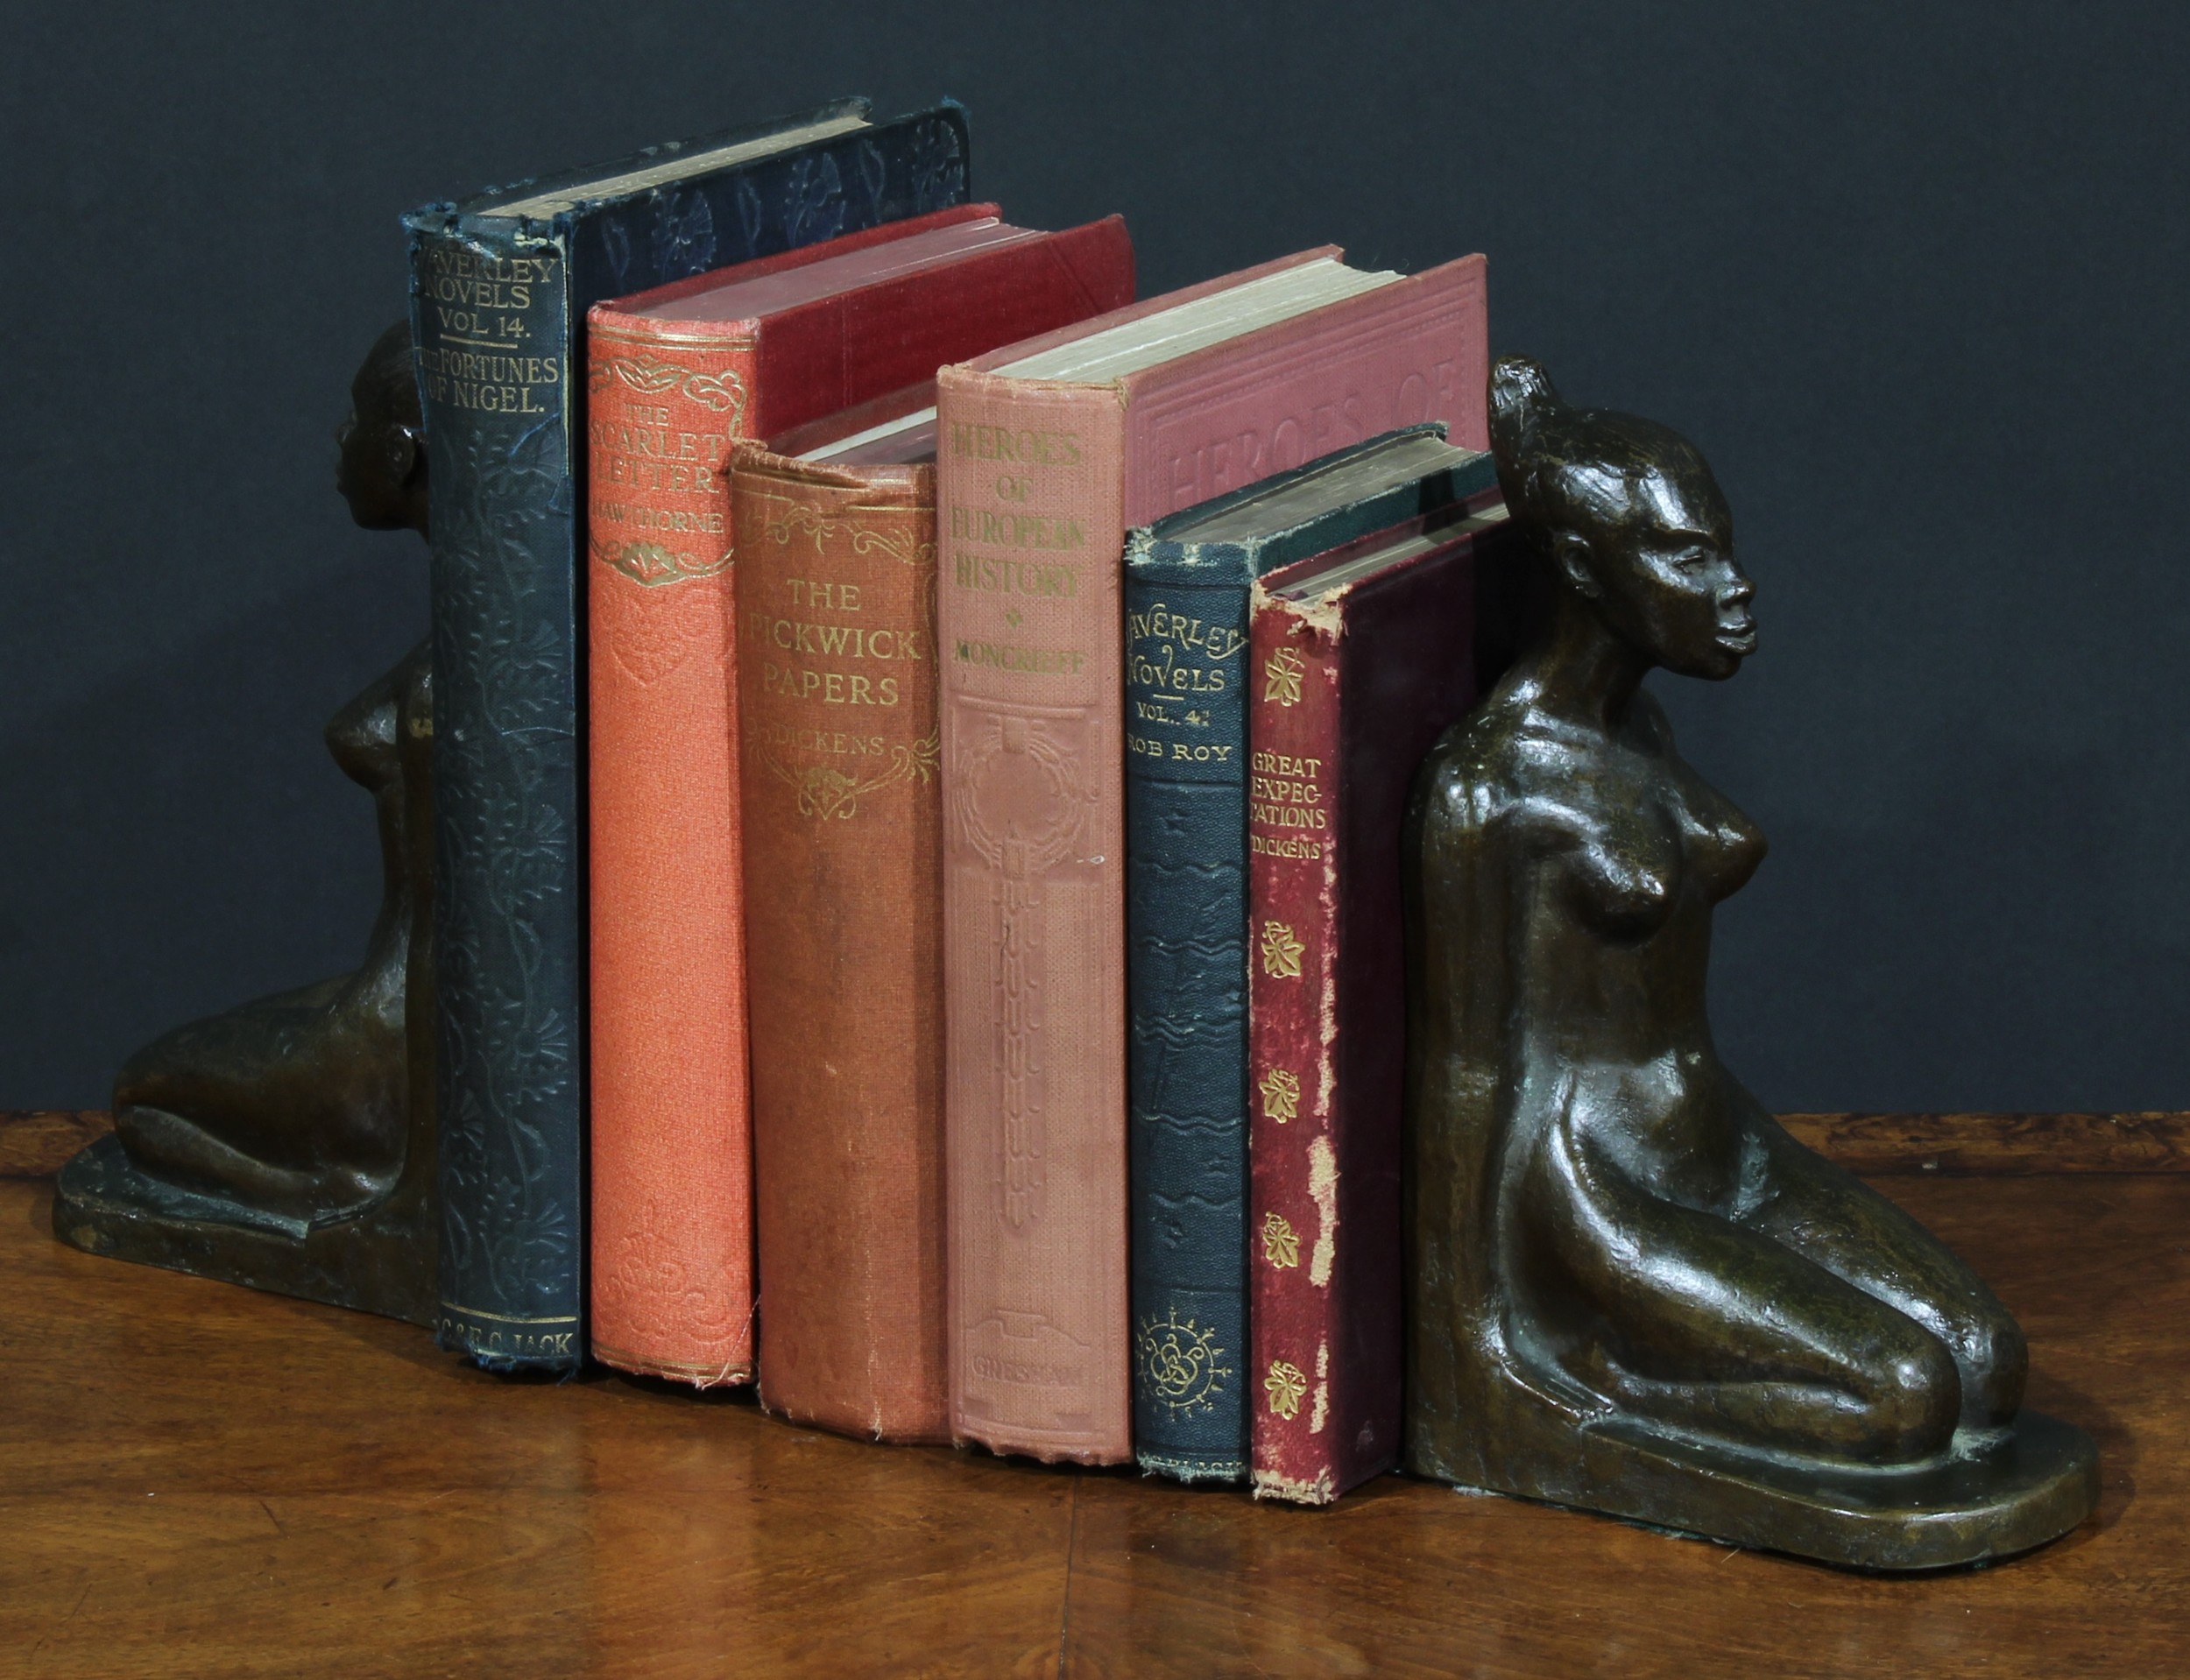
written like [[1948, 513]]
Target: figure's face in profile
[[361, 470], [1672, 587], [379, 454]]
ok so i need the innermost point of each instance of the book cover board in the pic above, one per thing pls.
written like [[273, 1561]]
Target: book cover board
[[1351, 687]]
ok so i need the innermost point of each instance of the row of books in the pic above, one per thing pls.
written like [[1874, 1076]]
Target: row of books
[[920, 742]]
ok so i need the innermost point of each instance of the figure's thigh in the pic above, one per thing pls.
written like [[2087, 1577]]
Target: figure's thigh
[[1682, 1314], [1833, 1219], [280, 1091]]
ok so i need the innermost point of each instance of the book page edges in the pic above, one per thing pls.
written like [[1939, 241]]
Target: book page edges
[[675, 160], [1010, 353]]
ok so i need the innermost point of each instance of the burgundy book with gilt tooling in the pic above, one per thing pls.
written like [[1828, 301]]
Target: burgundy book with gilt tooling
[[1357, 661]]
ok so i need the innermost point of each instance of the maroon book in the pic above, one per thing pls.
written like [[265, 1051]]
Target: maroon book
[[1359, 661]]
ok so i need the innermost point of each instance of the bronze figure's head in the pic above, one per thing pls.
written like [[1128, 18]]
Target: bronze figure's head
[[1629, 519], [382, 471]]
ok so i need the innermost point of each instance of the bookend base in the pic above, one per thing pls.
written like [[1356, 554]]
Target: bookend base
[[379, 1260], [1984, 1497]]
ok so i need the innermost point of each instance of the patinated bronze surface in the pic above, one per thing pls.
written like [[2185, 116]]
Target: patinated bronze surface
[[1632, 1289], [289, 1144]]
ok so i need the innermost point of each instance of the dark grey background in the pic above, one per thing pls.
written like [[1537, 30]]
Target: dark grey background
[[1912, 276]]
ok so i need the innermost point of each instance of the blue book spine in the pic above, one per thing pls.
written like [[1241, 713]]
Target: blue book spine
[[1186, 990], [499, 307], [507, 951]]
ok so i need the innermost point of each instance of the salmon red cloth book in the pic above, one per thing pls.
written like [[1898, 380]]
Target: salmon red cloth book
[[1048, 451], [674, 376]]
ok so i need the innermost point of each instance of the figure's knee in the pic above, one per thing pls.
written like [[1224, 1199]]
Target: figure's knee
[[186, 1069], [148, 1073], [1912, 1396]]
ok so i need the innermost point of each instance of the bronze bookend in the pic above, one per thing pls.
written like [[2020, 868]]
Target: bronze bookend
[[289, 1144], [1631, 1290]]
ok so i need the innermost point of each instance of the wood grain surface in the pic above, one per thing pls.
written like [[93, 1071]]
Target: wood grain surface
[[34, 1143], [200, 1480], [1885, 1144]]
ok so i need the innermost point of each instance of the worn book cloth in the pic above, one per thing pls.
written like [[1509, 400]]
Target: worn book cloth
[[1358, 659], [836, 585]]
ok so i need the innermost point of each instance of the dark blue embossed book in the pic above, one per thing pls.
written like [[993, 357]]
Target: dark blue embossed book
[[1187, 587], [500, 284]]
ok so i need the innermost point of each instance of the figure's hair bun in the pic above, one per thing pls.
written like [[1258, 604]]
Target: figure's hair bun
[[1566, 468], [1521, 396], [1521, 400]]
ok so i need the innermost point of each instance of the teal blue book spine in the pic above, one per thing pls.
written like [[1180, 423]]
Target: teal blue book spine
[[1186, 997], [497, 305]]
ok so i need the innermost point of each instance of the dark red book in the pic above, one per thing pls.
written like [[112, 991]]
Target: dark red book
[[1357, 661]]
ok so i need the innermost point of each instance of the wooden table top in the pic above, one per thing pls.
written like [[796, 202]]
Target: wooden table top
[[196, 1479]]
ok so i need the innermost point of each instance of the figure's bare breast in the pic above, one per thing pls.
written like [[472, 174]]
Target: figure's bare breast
[[1616, 852]]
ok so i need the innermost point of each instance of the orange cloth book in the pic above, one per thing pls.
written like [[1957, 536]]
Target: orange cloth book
[[1048, 450], [675, 376]]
